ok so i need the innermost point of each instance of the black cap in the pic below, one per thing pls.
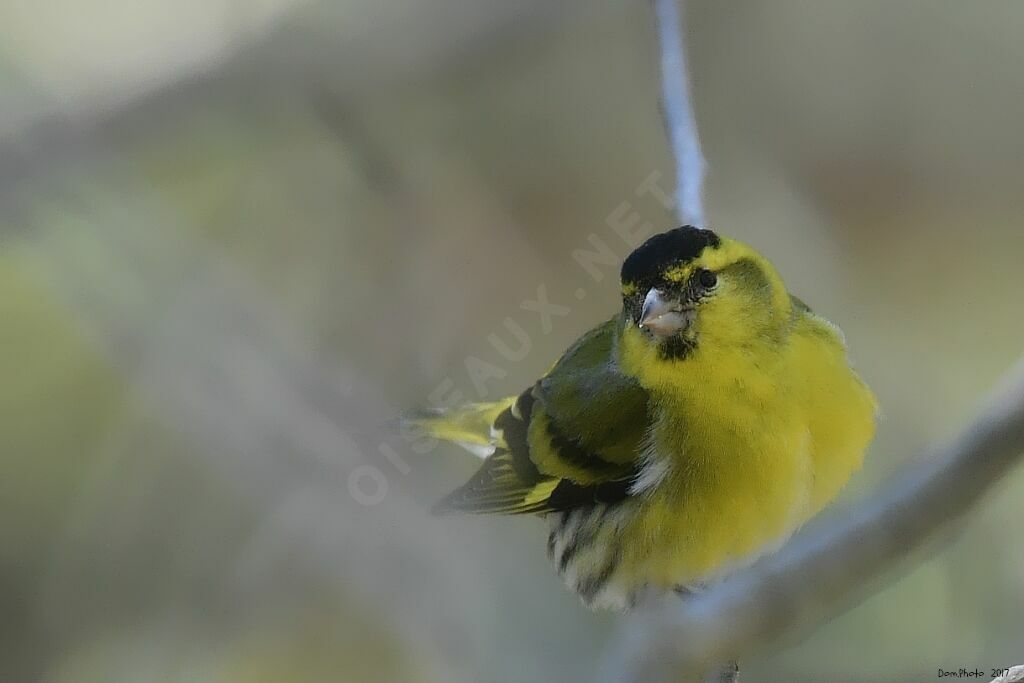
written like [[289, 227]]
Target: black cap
[[661, 252]]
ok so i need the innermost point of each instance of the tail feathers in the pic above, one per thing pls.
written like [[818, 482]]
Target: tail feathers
[[497, 489], [469, 426]]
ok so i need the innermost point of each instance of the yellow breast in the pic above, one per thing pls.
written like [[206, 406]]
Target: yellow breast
[[751, 446]]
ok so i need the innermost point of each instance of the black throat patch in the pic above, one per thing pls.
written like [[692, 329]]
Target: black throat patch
[[676, 348]]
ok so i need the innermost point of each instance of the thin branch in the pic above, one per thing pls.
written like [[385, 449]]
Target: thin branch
[[677, 109], [1013, 675], [822, 572], [681, 129], [205, 352]]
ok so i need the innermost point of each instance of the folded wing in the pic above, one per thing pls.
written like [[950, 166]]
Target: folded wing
[[572, 439]]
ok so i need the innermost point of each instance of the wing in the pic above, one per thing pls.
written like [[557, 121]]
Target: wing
[[570, 440]]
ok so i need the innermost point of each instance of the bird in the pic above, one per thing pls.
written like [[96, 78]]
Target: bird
[[680, 440]]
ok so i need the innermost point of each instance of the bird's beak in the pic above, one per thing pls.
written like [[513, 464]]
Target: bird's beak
[[662, 316]]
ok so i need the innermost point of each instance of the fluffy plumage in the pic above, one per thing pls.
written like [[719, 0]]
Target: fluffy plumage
[[685, 436]]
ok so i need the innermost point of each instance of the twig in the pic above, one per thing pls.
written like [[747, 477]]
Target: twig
[[681, 128], [1013, 675], [678, 112], [206, 354], [818, 574]]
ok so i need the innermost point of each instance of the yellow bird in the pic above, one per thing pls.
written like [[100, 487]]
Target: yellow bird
[[693, 432]]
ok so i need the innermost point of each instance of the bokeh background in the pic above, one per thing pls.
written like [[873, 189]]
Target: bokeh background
[[237, 238]]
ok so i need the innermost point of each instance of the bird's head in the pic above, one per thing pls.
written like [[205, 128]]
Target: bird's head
[[689, 289]]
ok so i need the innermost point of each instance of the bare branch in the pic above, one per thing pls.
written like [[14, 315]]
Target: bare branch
[[824, 571], [678, 111], [1013, 675], [207, 354], [819, 572]]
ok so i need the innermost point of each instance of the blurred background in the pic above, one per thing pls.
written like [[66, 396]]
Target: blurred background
[[237, 238]]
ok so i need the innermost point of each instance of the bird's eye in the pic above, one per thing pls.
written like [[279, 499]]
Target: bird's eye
[[708, 279]]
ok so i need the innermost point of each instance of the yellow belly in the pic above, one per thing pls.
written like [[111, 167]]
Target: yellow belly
[[731, 493], [750, 457]]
